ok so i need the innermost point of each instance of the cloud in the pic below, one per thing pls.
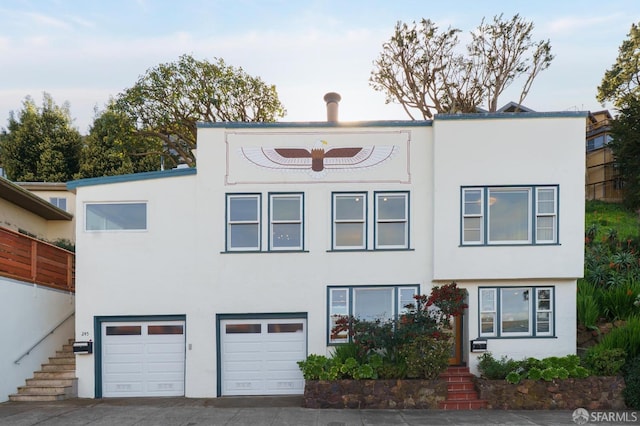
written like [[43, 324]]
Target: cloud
[[48, 21], [572, 24]]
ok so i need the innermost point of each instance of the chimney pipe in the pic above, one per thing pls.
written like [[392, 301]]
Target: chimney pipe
[[332, 99]]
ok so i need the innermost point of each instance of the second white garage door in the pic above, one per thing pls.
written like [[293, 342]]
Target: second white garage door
[[259, 357]]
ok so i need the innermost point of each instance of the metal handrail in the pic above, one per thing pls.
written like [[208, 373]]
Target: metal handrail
[[17, 361]]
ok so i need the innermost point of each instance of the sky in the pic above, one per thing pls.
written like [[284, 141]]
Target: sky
[[85, 52]]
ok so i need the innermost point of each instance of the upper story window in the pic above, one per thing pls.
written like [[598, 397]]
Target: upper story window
[[598, 142], [243, 222], [349, 220], [351, 217], [115, 216], [59, 202], [285, 222], [392, 220], [509, 215], [516, 311]]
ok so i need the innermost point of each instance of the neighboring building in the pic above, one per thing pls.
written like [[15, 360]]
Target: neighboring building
[[215, 282], [36, 285], [603, 181], [57, 194]]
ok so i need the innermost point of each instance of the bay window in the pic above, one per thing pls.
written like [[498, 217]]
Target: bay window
[[509, 215], [516, 311]]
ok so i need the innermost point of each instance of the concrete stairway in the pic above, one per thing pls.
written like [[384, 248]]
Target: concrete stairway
[[55, 381], [461, 392]]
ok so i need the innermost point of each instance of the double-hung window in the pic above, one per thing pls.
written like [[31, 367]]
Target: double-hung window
[[116, 216], [243, 222], [368, 303], [392, 220], [349, 221], [516, 311], [509, 215], [285, 222]]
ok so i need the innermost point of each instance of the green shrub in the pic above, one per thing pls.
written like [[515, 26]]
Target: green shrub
[[617, 301], [315, 367], [534, 373], [340, 353], [514, 378], [631, 391], [587, 307], [602, 361], [426, 357], [626, 337], [494, 369], [395, 370]]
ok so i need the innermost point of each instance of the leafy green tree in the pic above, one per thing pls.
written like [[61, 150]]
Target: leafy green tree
[[112, 147], [168, 101], [421, 68], [40, 144], [625, 130], [623, 78]]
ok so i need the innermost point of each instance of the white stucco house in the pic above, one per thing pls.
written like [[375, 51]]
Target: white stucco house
[[214, 282]]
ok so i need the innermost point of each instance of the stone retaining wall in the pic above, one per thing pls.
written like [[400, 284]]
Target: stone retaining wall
[[424, 394], [592, 393]]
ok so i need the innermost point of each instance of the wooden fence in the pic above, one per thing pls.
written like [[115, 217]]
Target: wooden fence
[[28, 259]]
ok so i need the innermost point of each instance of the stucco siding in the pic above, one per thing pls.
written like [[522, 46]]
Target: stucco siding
[[29, 312]]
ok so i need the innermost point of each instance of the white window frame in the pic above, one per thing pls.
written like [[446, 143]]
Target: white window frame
[[350, 295], [56, 201], [336, 221], [299, 223], [231, 224], [535, 308], [553, 214], [380, 196], [114, 203], [468, 216], [534, 215]]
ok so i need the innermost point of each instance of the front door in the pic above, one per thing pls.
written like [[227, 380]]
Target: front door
[[456, 349]]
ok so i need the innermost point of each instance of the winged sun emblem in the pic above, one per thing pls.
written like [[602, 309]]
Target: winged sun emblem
[[320, 158]]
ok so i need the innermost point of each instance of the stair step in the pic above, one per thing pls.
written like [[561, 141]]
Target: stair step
[[463, 405], [44, 390], [63, 360], [64, 374], [462, 396], [457, 378], [36, 398], [64, 353], [51, 381], [460, 386], [58, 367]]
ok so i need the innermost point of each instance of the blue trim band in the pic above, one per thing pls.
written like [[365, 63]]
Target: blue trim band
[[131, 177]]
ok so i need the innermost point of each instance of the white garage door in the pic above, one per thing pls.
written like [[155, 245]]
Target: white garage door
[[143, 358], [259, 357]]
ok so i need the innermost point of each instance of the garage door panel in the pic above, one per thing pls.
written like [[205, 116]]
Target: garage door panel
[[283, 386], [124, 389], [123, 348], [243, 347], [241, 365], [281, 347], [164, 386], [123, 367]]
